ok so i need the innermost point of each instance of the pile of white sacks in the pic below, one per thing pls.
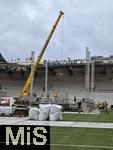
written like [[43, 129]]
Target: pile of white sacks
[[46, 112]]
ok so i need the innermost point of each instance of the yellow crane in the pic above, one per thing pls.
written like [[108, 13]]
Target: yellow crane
[[36, 64]]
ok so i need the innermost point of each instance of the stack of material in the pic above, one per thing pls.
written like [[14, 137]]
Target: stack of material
[[55, 113], [34, 113], [46, 112], [6, 110]]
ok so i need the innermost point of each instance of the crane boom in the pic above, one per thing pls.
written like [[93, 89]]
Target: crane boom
[[36, 64]]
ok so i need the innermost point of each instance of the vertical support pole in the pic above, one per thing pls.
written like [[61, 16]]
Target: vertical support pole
[[46, 78], [92, 79], [92, 76], [32, 79], [87, 74]]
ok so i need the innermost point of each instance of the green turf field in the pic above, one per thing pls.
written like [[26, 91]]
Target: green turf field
[[69, 138], [102, 117]]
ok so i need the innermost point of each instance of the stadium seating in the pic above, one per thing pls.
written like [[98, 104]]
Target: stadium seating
[[72, 85]]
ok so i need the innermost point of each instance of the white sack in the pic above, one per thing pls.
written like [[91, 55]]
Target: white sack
[[44, 111], [55, 113], [34, 113]]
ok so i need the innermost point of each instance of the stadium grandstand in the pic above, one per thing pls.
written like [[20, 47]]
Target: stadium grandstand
[[67, 77]]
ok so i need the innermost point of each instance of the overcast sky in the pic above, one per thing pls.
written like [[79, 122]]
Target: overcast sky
[[25, 24]]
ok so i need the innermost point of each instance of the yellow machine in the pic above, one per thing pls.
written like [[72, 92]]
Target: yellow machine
[[36, 64]]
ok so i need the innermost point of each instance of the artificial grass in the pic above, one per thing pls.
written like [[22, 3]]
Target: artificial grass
[[69, 138], [102, 117]]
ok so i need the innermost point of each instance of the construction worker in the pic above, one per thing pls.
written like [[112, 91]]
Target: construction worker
[[100, 106], [105, 107]]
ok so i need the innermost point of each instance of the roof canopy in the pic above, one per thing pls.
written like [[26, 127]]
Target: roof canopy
[[2, 58]]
